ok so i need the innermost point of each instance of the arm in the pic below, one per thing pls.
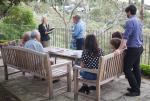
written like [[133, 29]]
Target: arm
[[127, 33], [77, 30], [83, 58], [82, 64]]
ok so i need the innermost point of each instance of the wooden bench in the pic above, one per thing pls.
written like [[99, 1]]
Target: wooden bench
[[37, 64], [110, 67]]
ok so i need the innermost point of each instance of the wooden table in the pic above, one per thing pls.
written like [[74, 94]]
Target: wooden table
[[63, 53]]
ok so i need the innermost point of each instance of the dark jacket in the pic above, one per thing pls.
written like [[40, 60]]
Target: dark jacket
[[42, 29]]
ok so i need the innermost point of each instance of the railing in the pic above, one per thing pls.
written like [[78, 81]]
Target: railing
[[62, 37]]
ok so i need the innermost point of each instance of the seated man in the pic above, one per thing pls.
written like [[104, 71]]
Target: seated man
[[34, 42]]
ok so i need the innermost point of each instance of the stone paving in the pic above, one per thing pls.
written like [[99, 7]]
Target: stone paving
[[28, 89]]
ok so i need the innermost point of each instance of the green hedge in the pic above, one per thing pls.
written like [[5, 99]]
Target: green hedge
[[145, 69]]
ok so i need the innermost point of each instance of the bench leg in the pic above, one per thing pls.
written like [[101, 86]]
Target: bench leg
[[6, 72], [98, 91], [69, 78], [76, 84], [23, 73], [50, 89]]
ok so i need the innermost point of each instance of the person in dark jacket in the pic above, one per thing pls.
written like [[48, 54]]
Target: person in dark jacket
[[44, 31]]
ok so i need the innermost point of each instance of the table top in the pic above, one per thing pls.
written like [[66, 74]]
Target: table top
[[63, 52]]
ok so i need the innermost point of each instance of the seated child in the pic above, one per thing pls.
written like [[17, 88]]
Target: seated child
[[115, 43], [117, 35]]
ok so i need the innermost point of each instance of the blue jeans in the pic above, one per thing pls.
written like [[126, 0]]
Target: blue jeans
[[88, 75]]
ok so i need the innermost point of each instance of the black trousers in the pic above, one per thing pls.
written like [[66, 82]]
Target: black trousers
[[80, 43], [132, 67]]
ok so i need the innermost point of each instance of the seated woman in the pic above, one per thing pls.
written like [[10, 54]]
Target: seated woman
[[117, 35], [25, 38], [90, 59], [115, 43]]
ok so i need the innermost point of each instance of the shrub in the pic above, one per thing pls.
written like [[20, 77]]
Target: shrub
[[18, 20], [145, 69]]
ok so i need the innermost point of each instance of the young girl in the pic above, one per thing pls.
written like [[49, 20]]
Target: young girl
[[90, 59], [115, 43]]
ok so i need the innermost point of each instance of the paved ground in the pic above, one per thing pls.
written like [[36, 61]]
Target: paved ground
[[29, 89]]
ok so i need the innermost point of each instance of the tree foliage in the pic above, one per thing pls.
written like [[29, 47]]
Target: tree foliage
[[18, 20], [5, 5]]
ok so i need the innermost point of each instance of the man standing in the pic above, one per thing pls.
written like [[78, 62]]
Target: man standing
[[79, 31], [132, 38]]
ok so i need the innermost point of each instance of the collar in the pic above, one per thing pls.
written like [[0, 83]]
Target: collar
[[132, 16]]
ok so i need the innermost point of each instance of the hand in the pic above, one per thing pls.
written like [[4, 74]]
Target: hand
[[116, 52]]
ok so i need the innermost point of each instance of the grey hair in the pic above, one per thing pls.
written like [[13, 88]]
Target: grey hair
[[34, 33]]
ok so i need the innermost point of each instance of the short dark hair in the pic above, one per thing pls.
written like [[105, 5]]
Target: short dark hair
[[117, 35], [91, 44], [115, 42], [77, 17], [132, 9]]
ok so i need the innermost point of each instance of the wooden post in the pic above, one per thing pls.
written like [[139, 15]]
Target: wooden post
[[142, 10], [6, 71]]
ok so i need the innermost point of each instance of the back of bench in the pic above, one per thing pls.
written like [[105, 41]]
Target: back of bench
[[111, 66], [26, 60]]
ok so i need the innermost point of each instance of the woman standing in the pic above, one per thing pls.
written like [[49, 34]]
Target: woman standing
[[44, 31]]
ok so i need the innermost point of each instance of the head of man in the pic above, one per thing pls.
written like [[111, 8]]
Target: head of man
[[131, 10], [44, 20], [76, 19], [35, 35]]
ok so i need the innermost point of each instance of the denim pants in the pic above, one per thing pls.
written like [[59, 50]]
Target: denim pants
[[88, 75]]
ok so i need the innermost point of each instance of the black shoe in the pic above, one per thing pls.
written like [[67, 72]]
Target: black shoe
[[55, 81], [132, 94], [84, 89], [130, 90], [92, 88], [87, 91]]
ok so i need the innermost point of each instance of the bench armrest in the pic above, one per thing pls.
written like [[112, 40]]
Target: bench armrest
[[76, 67], [61, 64]]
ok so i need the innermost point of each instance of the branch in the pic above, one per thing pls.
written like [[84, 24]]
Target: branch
[[60, 15], [74, 10]]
